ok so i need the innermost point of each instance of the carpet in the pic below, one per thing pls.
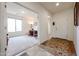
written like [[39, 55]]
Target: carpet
[[59, 47]]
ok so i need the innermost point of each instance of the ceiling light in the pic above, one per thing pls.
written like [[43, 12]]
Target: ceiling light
[[57, 4], [22, 12], [48, 16]]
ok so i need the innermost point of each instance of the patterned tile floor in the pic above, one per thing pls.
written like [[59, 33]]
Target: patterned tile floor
[[59, 47]]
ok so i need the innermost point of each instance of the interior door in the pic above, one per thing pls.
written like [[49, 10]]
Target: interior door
[[3, 29]]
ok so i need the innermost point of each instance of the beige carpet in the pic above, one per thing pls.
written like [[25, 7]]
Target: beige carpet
[[59, 47]]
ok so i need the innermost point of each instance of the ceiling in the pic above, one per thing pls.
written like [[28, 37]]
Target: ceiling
[[15, 9], [51, 6]]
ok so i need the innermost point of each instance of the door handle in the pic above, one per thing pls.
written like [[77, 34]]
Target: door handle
[[7, 39]]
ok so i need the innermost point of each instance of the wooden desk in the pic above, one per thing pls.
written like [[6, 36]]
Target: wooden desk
[[33, 33]]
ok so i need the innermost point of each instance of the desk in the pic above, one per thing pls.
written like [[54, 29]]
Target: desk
[[33, 33]]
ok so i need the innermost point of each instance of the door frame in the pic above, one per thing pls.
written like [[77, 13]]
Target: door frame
[[3, 28]]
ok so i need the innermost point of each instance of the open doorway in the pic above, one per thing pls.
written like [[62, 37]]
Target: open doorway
[[22, 28]]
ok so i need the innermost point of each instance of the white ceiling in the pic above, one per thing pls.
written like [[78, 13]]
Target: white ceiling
[[51, 6], [15, 9]]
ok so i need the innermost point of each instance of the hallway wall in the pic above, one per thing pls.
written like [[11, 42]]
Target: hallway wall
[[64, 24]]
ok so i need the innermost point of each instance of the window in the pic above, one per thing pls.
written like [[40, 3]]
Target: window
[[11, 25], [18, 25], [14, 25]]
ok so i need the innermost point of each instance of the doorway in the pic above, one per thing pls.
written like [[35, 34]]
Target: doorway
[[22, 28]]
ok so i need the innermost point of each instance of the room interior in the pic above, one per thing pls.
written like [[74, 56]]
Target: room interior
[[22, 28], [41, 29]]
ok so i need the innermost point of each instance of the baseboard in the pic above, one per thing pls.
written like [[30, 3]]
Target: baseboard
[[60, 38]]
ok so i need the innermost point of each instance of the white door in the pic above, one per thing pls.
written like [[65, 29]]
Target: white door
[[3, 28]]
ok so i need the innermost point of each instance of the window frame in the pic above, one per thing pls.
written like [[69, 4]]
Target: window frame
[[15, 24]]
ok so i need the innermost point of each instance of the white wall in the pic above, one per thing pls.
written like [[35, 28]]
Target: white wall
[[76, 35], [64, 24], [76, 41]]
